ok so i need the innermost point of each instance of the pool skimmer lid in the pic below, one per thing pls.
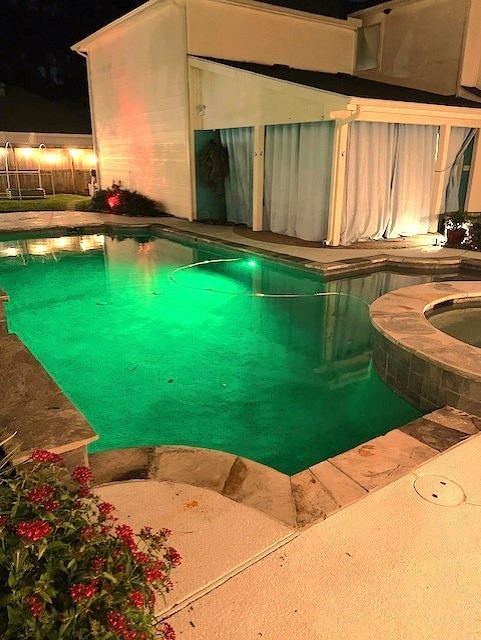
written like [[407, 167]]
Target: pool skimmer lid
[[439, 490]]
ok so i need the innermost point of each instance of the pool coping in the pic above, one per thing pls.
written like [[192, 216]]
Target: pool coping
[[34, 407], [427, 366], [306, 497]]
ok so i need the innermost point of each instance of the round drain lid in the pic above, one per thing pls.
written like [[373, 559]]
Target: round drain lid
[[439, 490]]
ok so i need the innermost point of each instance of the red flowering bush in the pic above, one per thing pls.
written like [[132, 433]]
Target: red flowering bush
[[67, 569]]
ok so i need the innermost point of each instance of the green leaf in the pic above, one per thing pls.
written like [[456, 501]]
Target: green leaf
[[45, 596], [110, 577]]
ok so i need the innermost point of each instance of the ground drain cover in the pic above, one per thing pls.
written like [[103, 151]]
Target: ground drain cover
[[439, 490]]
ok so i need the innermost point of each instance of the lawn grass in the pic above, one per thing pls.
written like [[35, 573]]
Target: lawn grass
[[59, 202]]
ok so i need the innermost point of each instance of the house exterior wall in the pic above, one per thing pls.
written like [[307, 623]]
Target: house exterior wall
[[234, 98], [244, 31], [421, 43], [139, 102]]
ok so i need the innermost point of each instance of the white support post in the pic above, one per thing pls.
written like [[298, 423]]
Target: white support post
[[338, 182], [440, 169], [258, 178], [473, 196], [195, 120]]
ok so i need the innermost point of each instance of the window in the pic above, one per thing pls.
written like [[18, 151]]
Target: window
[[368, 42]]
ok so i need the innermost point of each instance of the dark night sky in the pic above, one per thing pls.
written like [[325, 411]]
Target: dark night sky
[[37, 35]]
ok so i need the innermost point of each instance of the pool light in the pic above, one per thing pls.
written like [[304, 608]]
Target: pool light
[[252, 263]]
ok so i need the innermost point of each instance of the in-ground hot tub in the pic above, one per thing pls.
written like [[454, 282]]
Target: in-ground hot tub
[[427, 366], [459, 319]]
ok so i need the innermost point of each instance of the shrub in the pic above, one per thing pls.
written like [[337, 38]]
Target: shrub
[[125, 202], [67, 570]]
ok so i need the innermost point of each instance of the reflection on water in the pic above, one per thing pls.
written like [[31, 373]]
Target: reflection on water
[[49, 248], [238, 355]]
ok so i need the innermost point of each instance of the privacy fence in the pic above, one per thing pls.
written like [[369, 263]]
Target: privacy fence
[[55, 170]]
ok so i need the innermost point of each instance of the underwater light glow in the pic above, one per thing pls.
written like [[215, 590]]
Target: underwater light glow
[[257, 294]]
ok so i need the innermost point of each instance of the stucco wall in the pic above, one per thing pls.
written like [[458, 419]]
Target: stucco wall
[[252, 33], [138, 86], [233, 98], [421, 44]]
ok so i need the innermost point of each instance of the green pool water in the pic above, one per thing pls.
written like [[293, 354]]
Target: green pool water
[[203, 356]]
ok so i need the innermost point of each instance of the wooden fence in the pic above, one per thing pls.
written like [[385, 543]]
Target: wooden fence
[[56, 170]]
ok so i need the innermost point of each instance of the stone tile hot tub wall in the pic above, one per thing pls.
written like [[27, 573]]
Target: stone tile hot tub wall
[[426, 366]]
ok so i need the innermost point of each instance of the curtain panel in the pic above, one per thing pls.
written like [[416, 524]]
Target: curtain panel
[[239, 143], [390, 169], [458, 141], [297, 179]]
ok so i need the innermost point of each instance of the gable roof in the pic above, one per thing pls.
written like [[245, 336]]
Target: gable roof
[[21, 110], [346, 84]]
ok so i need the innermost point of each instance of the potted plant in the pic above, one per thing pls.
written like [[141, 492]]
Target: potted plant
[[68, 570], [456, 228], [474, 240]]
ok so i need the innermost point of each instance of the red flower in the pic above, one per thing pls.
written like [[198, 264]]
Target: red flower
[[173, 557], [89, 532], [35, 606], [155, 573], [41, 455], [33, 530], [141, 557], [3, 520], [51, 505], [117, 621], [105, 508], [82, 475], [169, 633], [40, 494], [126, 534], [98, 564], [83, 591], [136, 599]]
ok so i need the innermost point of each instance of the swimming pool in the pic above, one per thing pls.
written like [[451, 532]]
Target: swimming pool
[[236, 354]]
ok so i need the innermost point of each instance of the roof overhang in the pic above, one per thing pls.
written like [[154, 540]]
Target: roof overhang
[[83, 45], [363, 109]]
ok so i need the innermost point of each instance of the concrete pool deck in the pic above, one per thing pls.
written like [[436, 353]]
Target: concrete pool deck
[[391, 565]]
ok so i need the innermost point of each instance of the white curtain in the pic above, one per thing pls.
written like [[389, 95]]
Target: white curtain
[[412, 180], [369, 173], [297, 179], [389, 175], [458, 140], [238, 185]]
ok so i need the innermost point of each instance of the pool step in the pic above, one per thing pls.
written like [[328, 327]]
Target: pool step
[[308, 496]]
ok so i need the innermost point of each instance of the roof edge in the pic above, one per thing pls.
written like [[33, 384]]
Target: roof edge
[[80, 46]]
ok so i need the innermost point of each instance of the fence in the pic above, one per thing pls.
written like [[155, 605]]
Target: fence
[[56, 170]]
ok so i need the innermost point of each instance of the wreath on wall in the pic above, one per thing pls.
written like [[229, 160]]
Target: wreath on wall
[[214, 165]]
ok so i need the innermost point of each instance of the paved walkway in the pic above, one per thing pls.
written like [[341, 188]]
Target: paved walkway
[[37, 220]]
